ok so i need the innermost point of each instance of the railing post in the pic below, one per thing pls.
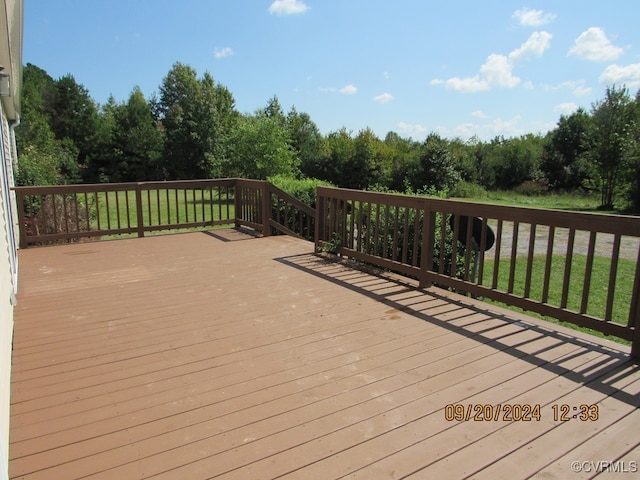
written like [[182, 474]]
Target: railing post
[[237, 203], [139, 213], [319, 218], [266, 209], [426, 249], [22, 223], [634, 313]]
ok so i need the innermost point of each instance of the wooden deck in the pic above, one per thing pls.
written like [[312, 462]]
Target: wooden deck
[[207, 355]]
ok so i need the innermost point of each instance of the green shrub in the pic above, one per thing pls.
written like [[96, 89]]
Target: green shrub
[[465, 189], [532, 188], [304, 189]]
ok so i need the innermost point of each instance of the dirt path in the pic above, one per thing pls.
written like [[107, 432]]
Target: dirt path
[[629, 246]]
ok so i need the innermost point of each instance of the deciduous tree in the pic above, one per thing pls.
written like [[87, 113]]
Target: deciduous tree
[[611, 142]]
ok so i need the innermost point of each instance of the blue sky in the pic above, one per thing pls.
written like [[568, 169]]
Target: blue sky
[[457, 68]]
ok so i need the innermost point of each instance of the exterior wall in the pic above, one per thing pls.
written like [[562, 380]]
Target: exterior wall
[[8, 289], [11, 30]]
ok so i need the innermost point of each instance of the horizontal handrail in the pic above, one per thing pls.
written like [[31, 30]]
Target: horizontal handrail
[[546, 261]]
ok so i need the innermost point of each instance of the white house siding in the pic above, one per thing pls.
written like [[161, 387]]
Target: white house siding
[[8, 287], [11, 26]]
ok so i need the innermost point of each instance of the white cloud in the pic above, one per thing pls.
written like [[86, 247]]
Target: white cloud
[[565, 108], [497, 71], [383, 98], [577, 87], [479, 114], [223, 52], [288, 7], [417, 131], [349, 90], [533, 18], [581, 91], [535, 46], [594, 45], [628, 76], [484, 131], [346, 90], [463, 85]]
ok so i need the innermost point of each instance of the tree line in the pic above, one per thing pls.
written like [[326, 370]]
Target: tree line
[[192, 129]]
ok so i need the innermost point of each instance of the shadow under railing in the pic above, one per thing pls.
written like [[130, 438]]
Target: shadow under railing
[[442, 309]]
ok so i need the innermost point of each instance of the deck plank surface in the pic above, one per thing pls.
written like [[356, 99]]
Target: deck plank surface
[[219, 355]]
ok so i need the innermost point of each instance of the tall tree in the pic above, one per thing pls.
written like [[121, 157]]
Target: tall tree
[[611, 142], [193, 114], [633, 192], [260, 147], [42, 158], [306, 141], [139, 139], [366, 167], [402, 153], [74, 116], [333, 167], [563, 161], [434, 168]]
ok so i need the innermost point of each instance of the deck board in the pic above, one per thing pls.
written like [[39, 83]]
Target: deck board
[[216, 354]]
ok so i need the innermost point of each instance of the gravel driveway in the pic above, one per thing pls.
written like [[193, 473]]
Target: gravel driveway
[[629, 246]]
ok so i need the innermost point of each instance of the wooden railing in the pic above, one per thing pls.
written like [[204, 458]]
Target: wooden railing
[[544, 261], [266, 208], [549, 262], [72, 212]]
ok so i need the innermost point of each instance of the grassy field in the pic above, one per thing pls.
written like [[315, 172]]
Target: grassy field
[[600, 274], [597, 295], [160, 207], [556, 201]]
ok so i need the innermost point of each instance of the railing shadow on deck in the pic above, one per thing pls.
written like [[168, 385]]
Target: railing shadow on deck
[[614, 366], [550, 262]]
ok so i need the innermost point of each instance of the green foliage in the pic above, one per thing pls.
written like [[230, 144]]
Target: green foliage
[[563, 162], [304, 189], [74, 116], [331, 246], [259, 147], [433, 168], [197, 116], [611, 142], [532, 188], [138, 140], [193, 130], [507, 163], [468, 190], [306, 140], [38, 167]]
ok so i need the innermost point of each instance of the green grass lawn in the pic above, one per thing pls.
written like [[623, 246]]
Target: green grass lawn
[[160, 207], [597, 293], [556, 201]]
